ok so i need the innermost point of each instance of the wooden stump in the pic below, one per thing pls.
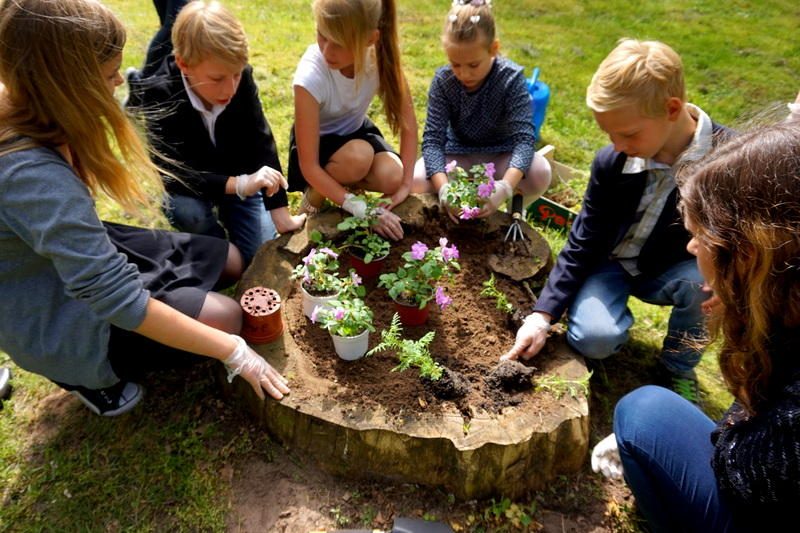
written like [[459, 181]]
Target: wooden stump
[[508, 453]]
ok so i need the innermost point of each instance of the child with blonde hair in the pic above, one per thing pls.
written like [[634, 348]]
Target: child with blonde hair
[[90, 305], [479, 111], [203, 113], [628, 239], [334, 148]]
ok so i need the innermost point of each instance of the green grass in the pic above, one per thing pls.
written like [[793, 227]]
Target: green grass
[[161, 468]]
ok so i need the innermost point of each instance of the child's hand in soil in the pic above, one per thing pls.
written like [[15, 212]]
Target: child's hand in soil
[[531, 337], [605, 458], [252, 367], [502, 192], [389, 225]]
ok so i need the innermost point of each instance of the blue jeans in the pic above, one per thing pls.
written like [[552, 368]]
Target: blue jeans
[[665, 447], [247, 222], [599, 318]]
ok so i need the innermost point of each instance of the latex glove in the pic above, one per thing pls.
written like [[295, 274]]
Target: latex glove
[[794, 111], [531, 337], [263, 178], [605, 458], [389, 224], [252, 367], [354, 205], [451, 211], [502, 192]]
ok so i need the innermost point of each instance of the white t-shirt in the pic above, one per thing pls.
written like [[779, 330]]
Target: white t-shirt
[[343, 102]]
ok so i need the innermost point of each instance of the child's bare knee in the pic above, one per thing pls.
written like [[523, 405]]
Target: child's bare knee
[[351, 162]]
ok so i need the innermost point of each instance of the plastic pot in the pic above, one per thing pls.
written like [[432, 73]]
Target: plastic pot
[[411, 315], [310, 301], [367, 270], [262, 315], [351, 348]]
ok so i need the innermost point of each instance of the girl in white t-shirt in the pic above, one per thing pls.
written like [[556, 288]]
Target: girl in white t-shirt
[[334, 146]]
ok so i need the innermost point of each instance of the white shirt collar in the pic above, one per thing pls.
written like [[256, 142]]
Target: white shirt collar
[[209, 116], [700, 146]]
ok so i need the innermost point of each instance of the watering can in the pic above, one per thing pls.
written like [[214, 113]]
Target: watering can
[[540, 96]]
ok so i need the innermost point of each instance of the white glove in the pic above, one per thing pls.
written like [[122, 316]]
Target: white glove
[[263, 178], [252, 367], [354, 205], [794, 112], [452, 211], [531, 337], [605, 458], [502, 192]]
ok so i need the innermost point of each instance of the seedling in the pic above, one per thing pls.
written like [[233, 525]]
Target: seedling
[[490, 290], [411, 353]]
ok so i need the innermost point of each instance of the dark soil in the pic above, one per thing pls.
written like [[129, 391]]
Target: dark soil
[[511, 376], [471, 335]]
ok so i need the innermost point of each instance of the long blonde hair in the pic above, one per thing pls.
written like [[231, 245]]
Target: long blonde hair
[[742, 205], [51, 58], [349, 23]]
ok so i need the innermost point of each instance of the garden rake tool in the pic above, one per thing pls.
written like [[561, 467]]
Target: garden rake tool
[[514, 232]]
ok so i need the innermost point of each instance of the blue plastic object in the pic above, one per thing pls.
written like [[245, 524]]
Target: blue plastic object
[[540, 97]]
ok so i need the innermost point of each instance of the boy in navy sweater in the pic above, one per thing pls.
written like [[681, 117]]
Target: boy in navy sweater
[[629, 239]]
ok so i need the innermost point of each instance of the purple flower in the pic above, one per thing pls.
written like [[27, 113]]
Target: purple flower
[[338, 313], [450, 166], [328, 251], [442, 300], [485, 190], [418, 250], [306, 277], [443, 242], [356, 279], [315, 314], [307, 259], [449, 252], [489, 170], [468, 212]]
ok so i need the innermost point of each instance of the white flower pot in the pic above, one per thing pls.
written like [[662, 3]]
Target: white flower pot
[[310, 302], [351, 348]]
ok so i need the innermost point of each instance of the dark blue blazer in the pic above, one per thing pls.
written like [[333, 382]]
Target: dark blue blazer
[[609, 208]]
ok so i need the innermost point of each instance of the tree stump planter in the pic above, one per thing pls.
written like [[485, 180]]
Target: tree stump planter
[[360, 420]]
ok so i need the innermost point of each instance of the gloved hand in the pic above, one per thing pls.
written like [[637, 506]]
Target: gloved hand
[[531, 337], [252, 367], [605, 458], [354, 205], [389, 224], [263, 178], [452, 211], [502, 192], [794, 111]]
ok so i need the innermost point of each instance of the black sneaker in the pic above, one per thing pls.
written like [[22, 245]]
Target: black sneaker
[[111, 401], [684, 385]]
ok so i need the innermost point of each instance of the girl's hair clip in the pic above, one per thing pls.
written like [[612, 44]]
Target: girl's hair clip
[[474, 19], [453, 18], [475, 3]]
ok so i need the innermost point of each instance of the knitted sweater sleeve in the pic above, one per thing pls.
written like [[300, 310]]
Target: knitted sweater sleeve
[[757, 459], [435, 134]]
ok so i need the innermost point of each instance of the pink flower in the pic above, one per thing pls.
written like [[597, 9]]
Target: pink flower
[[306, 277], [450, 166], [489, 170], [307, 259], [468, 212], [485, 190], [315, 314], [329, 252], [443, 242], [338, 313], [449, 252], [356, 279], [418, 250], [442, 300]]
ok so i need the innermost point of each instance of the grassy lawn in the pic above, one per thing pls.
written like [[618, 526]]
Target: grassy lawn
[[163, 467]]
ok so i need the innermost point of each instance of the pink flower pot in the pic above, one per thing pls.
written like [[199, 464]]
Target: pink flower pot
[[411, 315], [367, 270], [262, 315]]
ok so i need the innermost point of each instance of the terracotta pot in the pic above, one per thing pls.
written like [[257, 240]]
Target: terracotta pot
[[351, 348], [367, 270], [262, 315], [310, 301], [411, 315]]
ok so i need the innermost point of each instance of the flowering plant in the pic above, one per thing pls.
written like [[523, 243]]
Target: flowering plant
[[468, 190], [415, 281], [363, 238], [347, 315], [320, 267]]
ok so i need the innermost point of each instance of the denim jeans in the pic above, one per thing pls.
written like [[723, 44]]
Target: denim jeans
[[599, 318], [665, 447], [247, 222]]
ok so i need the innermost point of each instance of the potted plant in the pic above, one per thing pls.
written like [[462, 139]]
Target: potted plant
[[468, 190], [415, 283], [367, 249], [318, 275], [348, 319]]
